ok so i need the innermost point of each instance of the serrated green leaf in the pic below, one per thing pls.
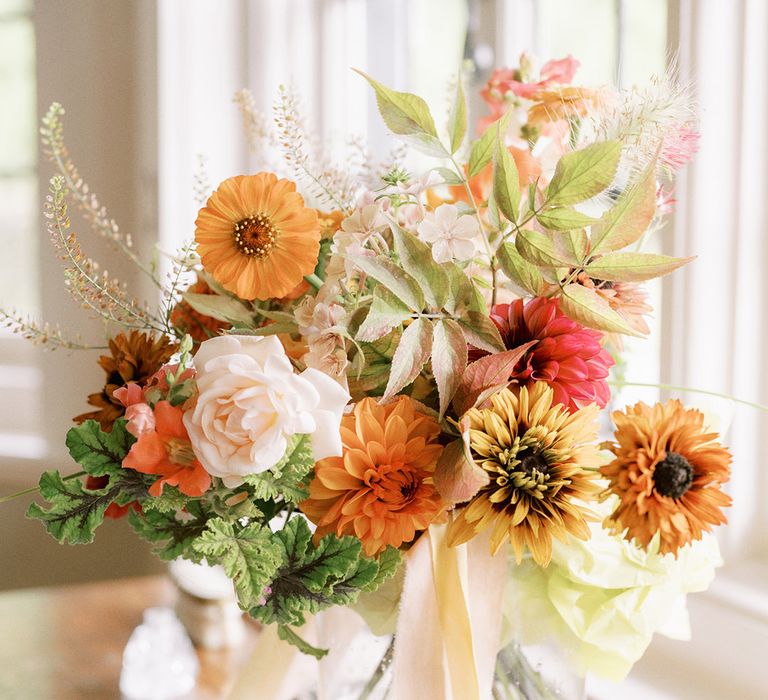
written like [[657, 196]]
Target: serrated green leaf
[[449, 360], [287, 479], [171, 536], [250, 555], [524, 275], [416, 259], [457, 120], [633, 267], [369, 374], [481, 332], [573, 245], [585, 305], [396, 280], [97, 452], [410, 357], [222, 308], [482, 149], [540, 249], [406, 114], [389, 562], [564, 219], [288, 635], [460, 289], [580, 175], [628, 219], [169, 501], [386, 312], [506, 183], [450, 177]]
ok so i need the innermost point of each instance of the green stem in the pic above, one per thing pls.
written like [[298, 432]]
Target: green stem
[[673, 387], [314, 280], [378, 674], [34, 489]]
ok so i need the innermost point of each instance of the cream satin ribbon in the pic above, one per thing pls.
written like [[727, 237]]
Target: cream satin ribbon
[[448, 630]]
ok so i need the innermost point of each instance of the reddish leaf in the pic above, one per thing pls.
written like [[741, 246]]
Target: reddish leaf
[[458, 479], [487, 373]]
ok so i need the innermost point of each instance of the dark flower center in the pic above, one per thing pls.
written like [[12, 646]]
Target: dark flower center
[[673, 476], [255, 235], [531, 462]]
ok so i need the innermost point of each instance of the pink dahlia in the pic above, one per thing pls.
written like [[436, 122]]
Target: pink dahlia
[[567, 356]]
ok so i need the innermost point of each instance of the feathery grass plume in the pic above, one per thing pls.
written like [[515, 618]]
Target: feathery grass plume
[[45, 335], [327, 182], [52, 137], [368, 170], [257, 125], [94, 290], [178, 278]]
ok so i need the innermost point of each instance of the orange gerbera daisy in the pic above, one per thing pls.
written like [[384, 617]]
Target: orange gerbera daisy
[[667, 473], [167, 452], [133, 358], [256, 238], [381, 489], [536, 454]]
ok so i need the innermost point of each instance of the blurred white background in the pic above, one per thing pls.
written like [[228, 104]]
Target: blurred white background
[[148, 88]]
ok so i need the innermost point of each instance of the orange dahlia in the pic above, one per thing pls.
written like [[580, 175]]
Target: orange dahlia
[[256, 238], [537, 456], [667, 473], [381, 489], [133, 358]]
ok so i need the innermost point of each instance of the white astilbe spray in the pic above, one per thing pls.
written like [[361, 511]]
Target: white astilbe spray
[[259, 129], [326, 182]]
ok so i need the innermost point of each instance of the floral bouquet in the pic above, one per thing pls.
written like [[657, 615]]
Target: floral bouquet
[[385, 392]]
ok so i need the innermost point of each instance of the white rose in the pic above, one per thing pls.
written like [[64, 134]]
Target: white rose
[[251, 402]]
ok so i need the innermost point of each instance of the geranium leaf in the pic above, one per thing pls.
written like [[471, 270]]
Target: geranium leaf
[[288, 635], [627, 220], [386, 312], [250, 555], [486, 373], [172, 537], [222, 308], [480, 331], [506, 183], [524, 275], [410, 357], [287, 479], [394, 278], [482, 149], [585, 305], [458, 479], [633, 267], [540, 249], [457, 120], [97, 452], [563, 219], [416, 259], [582, 174], [449, 359]]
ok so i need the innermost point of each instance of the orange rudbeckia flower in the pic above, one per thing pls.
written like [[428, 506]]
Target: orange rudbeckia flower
[[256, 238], [167, 452]]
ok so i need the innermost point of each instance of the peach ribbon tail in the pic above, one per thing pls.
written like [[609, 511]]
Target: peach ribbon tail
[[448, 630]]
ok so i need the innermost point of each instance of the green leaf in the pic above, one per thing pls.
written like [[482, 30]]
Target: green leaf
[[169, 501], [411, 355], [633, 267], [506, 183], [370, 369], [628, 219], [457, 120], [482, 149], [75, 511], [386, 312], [222, 308], [563, 219], [460, 290], [582, 174], [450, 177], [287, 479], [396, 280], [172, 537], [489, 373], [407, 115], [540, 249], [416, 259], [388, 564], [523, 274], [250, 555], [481, 332], [449, 360], [288, 635], [314, 577], [585, 305], [97, 452], [573, 245]]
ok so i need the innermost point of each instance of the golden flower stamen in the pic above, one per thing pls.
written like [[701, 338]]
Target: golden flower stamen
[[255, 235]]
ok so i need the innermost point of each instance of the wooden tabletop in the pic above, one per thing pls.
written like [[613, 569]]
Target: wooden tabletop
[[66, 643]]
